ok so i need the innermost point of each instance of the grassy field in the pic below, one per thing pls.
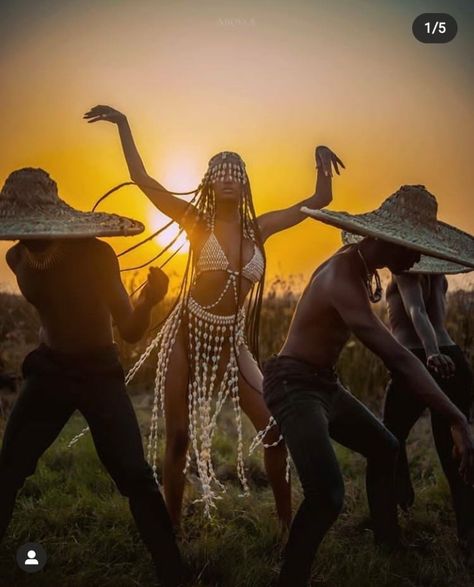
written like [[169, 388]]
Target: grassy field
[[71, 507]]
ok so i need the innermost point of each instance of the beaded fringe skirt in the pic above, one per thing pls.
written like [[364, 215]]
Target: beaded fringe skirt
[[210, 385]]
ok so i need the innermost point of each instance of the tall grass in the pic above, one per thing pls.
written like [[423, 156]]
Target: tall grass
[[72, 507]]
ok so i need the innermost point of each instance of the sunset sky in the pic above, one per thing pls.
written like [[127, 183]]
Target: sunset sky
[[268, 79]]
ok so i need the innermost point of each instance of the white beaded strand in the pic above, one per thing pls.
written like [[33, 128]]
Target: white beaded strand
[[261, 435]]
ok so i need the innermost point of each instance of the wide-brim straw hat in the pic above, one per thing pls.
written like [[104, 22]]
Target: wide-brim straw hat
[[426, 264], [30, 208], [407, 218]]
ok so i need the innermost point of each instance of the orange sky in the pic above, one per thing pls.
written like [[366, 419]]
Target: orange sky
[[270, 80]]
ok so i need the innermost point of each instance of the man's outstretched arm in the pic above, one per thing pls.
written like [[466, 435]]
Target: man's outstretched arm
[[278, 220]]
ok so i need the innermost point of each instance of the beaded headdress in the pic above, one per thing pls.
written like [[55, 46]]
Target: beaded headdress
[[227, 164], [203, 201]]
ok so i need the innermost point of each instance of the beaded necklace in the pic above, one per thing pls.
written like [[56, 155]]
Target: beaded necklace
[[374, 296], [42, 260]]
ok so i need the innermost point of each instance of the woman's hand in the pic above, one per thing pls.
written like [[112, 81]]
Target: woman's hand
[[106, 113], [326, 159]]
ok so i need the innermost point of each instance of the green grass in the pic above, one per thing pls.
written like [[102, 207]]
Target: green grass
[[72, 508]]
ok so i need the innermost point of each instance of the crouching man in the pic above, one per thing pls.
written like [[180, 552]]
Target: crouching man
[[305, 396]]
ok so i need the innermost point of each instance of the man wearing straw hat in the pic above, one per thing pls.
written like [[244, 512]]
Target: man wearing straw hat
[[417, 314], [305, 396], [73, 280], [417, 304]]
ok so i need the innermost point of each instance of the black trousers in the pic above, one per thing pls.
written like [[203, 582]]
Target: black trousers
[[55, 386], [311, 406], [402, 410]]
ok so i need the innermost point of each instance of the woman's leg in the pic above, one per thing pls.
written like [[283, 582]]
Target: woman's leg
[[253, 405], [177, 435]]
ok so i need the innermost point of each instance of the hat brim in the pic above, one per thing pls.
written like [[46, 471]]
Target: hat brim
[[68, 224], [433, 244], [428, 265]]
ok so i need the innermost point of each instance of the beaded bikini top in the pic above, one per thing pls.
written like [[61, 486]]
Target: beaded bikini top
[[213, 258]]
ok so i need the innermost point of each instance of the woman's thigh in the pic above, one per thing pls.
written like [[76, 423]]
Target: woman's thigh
[[176, 390]]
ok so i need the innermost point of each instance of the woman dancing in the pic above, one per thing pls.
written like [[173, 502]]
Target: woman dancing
[[203, 357]]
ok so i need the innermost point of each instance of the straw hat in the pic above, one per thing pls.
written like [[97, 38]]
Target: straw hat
[[407, 218], [426, 264], [30, 208]]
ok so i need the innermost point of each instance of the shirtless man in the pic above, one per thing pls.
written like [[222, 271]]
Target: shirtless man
[[75, 286], [417, 313], [302, 390]]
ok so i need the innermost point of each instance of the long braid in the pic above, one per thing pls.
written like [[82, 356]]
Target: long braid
[[256, 295], [204, 202]]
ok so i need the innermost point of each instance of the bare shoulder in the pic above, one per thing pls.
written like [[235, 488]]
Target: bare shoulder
[[102, 256], [338, 276], [102, 249], [337, 269]]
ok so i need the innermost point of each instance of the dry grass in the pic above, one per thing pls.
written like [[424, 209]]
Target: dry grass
[[72, 508]]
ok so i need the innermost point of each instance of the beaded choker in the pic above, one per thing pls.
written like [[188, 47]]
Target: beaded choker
[[374, 296]]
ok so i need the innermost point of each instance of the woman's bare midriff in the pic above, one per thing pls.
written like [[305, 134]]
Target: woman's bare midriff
[[209, 286]]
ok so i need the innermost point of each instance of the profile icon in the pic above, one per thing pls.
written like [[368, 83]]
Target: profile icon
[[31, 557], [31, 560]]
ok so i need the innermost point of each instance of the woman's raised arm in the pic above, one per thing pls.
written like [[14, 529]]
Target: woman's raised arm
[[279, 220], [176, 208]]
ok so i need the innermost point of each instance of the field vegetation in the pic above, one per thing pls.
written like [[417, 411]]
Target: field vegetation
[[72, 508]]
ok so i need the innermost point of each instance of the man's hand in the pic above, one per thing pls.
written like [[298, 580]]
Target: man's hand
[[156, 286], [326, 159], [463, 450], [441, 365], [106, 113]]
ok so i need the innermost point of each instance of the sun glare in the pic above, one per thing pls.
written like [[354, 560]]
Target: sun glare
[[158, 220], [181, 175]]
